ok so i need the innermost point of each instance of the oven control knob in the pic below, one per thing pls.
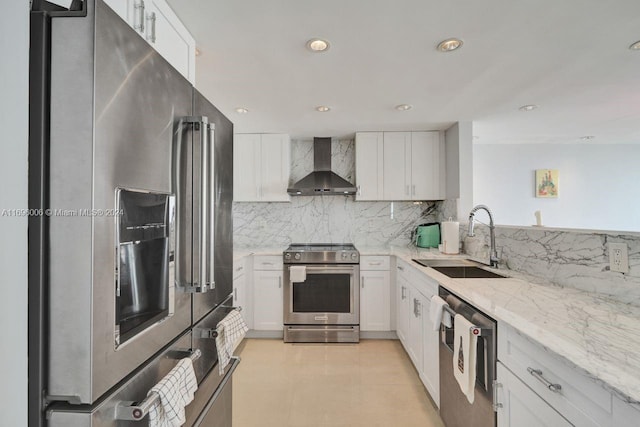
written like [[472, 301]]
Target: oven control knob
[[297, 256], [287, 255], [354, 256], [344, 255]]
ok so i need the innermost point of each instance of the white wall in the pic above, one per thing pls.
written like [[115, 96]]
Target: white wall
[[459, 170], [14, 115], [599, 184]]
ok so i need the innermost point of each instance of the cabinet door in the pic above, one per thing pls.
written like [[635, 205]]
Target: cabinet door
[[274, 175], [129, 10], [625, 413], [414, 336], [521, 407], [396, 166], [246, 167], [267, 294], [426, 168], [369, 165], [403, 307], [170, 37], [375, 311], [430, 353], [242, 296]]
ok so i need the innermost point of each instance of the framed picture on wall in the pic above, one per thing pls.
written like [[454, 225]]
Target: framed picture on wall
[[547, 183]]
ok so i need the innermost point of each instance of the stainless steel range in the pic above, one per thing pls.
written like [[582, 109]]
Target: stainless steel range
[[321, 293]]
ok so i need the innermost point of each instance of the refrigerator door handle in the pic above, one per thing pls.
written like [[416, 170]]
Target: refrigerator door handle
[[211, 205], [235, 361], [202, 239]]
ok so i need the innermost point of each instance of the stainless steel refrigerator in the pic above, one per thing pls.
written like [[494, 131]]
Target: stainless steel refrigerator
[[131, 255]]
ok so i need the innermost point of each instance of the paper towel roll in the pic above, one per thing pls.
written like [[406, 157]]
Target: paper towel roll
[[450, 237]]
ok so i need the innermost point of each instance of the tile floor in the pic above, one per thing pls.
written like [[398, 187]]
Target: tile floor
[[368, 384]]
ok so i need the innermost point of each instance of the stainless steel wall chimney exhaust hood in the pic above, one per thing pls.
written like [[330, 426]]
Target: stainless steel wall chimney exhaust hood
[[322, 181]]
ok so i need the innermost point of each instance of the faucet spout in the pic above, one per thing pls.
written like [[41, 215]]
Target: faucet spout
[[493, 256]]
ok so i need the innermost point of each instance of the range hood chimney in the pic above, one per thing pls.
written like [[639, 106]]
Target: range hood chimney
[[322, 181]]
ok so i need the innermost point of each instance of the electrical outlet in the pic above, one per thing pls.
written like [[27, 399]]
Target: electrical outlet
[[618, 257]]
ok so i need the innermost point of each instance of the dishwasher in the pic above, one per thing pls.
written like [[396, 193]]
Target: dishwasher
[[455, 409]]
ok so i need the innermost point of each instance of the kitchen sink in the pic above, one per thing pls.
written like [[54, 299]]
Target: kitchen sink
[[468, 273], [459, 268]]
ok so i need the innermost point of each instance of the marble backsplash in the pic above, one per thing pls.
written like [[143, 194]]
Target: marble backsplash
[[327, 219], [576, 259]]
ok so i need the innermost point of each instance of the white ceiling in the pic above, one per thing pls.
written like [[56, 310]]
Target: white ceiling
[[570, 57]]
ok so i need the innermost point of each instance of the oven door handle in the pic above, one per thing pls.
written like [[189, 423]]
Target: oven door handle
[[338, 268]]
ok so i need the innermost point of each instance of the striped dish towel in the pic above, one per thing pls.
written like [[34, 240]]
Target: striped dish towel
[[231, 331], [176, 391]]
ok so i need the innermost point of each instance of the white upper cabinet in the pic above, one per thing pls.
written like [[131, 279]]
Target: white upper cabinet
[[396, 170], [427, 166], [261, 165], [156, 22], [400, 166], [369, 154]]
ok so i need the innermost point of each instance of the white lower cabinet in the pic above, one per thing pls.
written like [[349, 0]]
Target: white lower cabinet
[[414, 336], [267, 297], [267, 293], [430, 373], [241, 297], [375, 292], [413, 327], [403, 303], [625, 414], [542, 374], [521, 407]]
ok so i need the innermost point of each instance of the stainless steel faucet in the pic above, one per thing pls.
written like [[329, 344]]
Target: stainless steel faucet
[[493, 255]]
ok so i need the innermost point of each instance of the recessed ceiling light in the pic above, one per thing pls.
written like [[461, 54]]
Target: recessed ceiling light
[[635, 46], [529, 107], [449, 45], [404, 107], [587, 137], [317, 45], [242, 110], [322, 108]]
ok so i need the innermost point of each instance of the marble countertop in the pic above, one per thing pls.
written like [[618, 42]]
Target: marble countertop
[[597, 335]]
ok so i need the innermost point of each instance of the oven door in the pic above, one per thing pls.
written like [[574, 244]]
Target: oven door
[[330, 295]]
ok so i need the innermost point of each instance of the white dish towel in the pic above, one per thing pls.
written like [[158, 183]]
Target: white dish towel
[[231, 330], [176, 391], [437, 314], [464, 356], [298, 273]]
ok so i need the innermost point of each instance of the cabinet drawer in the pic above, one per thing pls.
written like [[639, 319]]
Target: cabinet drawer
[[369, 262], [580, 400], [267, 262]]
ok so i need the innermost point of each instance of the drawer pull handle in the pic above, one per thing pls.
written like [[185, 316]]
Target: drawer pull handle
[[537, 373]]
